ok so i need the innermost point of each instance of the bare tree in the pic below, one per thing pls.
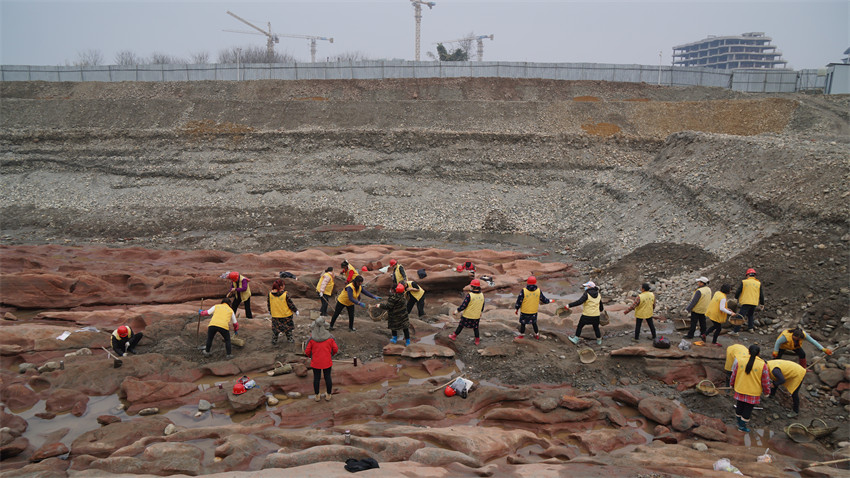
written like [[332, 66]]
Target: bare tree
[[90, 57], [466, 43], [351, 56], [199, 58], [128, 58], [158, 58], [252, 54]]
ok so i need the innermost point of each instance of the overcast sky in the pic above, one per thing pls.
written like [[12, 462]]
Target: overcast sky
[[809, 33]]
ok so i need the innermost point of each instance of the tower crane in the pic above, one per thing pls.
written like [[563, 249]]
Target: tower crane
[[272, 38], [417, 8], [478, 38], [312, 39]]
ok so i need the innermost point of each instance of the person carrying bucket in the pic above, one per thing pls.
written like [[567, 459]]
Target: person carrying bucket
[[346, 299], [791, 340], [222, 317], [397, 314], [644, 307], [281, 309], [470, 310], [241, 292], [527, 303], [790, 376], [750, 379], [591, 302], [325, 287], [124, 341], [321, 348]]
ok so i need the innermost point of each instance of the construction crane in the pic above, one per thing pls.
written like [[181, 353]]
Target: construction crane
[[417, 8], [272, 38], [478, 38], [312, 42]]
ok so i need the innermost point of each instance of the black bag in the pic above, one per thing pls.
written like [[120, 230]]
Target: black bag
[[421, 273], [287, 275], [353, 465], [661, 342]]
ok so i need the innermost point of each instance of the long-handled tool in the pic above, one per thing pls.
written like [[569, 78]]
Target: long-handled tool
[[447, 383], [117, 362]]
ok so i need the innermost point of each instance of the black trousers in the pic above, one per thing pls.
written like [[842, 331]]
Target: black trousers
[[696, 319], [744, 410], [326, 299], [317, 378], [127, 345], [420, 304], [225, 333], [588, 320], [639, 322], [237, 301], [338, 310], [799, 352], [406, 333], [715, 327]]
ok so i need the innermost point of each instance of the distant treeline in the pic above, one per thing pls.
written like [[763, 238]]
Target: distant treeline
[[249, 54]]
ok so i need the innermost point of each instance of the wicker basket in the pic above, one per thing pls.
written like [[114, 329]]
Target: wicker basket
[[736, 319], [707, 388], [587, 355]]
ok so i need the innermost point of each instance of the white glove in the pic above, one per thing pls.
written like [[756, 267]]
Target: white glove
[[125, 354], [297, 312]]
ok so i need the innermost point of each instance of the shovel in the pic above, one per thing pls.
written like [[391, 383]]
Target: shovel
[[116, 362]]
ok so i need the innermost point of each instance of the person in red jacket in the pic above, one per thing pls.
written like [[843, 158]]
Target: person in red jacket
[[321, 348]]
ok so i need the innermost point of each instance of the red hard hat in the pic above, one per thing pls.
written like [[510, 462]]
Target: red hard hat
[[364, 269], [475, 283], [393, 262], [751, 271], [450, 392], [399, 288], [460, 268], [531, 280], [123, 331], [239, 388], [234, 276]]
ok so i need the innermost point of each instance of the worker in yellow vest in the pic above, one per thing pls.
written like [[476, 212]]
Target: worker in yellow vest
[[241, 292], [416, 296], [346, 299], [750, 295], [644, 307], [698, 307], [325, 287], [750, 379], [348, 271], [124, 341], [527, 303], [592, 308], [399, 275], [281, 309], [718, 312], [470, 310], [791, 340], [790, 376], [222, 316], [734, 351]]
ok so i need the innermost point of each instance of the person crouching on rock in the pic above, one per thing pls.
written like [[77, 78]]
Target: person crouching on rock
[[718, 312], [644, 306], [124, 341], [791, 340], [325, 288], [750, 380], [397, 314], [527, 303], [346, 299], [281, 309], [591, 302], [321, 348], [241, 291], [470, 310], [222, 316]]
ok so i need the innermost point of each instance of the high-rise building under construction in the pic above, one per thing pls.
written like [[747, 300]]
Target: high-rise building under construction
[[747, 50]]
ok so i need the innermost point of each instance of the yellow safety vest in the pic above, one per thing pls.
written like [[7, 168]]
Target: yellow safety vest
[[792, 371], [644, 308], [343, 296], [351, 268], [749, 384], [474, 307], [704, 299], [789, 340], [328, 288], [279, 308], [590, 308], [530, 301], [750, 288], [397, 274], [714, 313], [221, 316], [416, 293], [736, 351], [242, 295], [118, 337]]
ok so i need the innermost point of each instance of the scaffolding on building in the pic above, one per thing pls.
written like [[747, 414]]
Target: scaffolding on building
[[748, 50]]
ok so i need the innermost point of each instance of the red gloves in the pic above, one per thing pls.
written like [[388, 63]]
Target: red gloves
[[236, 327]]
